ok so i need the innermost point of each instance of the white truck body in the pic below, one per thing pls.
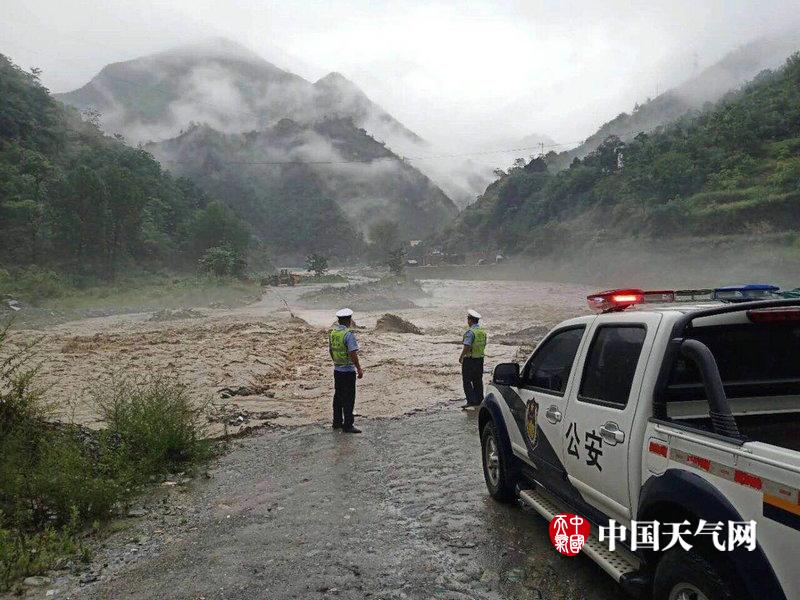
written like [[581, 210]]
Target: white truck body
[[620, 457]]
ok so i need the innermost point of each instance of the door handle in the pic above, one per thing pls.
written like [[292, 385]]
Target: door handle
[[611, 433], [553, 415]]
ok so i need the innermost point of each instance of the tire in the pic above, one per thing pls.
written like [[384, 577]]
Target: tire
[[688, 575], [498, 465]]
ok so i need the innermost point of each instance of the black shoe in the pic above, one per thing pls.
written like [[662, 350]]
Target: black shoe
[[469, 405], [336, 426], [351, 429]]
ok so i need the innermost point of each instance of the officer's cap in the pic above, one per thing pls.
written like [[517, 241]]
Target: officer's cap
[[345, 312], [474, 314]]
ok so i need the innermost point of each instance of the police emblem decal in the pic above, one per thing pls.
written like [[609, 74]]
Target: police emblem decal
[[530, 421]]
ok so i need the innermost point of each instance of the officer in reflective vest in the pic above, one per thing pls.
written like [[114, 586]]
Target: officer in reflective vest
[[343, 348], [471, 360]]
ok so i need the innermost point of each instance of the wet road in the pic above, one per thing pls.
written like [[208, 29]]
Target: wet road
[[399, 511]]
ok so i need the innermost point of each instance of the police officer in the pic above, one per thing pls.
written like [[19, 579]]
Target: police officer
[[471, 360], [343, 347]]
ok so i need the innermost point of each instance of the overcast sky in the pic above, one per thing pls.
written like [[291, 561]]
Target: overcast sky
[[461, 74]]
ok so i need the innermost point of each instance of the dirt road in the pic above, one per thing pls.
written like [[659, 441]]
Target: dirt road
[[398, 512]]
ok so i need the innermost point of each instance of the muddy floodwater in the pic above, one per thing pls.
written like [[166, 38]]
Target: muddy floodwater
[[267, 363]]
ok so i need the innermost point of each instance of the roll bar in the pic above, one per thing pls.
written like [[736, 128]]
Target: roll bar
[[719, 408]]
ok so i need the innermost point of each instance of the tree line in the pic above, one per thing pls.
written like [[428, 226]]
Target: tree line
[[730, 169], [88, 205]]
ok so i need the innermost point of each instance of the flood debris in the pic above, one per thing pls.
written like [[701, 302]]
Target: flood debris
[[12, 303], [236, 416], [529, 336], [395, 324], [242, 390], [387, 293], [175, 315]]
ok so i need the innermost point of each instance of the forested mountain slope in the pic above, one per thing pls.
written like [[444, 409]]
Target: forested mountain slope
[[302, 186], [209, 107], [733, 170], [77, 201], [708, 86]]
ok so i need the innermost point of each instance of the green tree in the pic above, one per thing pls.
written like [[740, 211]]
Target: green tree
[[75, 201], [317, 263], [396, 261], [384, 237], [223, 261], [215, 226]]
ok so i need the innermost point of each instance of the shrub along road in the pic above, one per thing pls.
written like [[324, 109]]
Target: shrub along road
[[400, 511]]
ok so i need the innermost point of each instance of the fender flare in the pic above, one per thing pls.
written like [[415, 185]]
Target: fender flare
[[688, 492], [490, 411]]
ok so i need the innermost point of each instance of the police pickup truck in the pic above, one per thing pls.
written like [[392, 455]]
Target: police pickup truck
[[673, 416]]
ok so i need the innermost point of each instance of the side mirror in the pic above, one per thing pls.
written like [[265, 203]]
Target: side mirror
[[506, 374]]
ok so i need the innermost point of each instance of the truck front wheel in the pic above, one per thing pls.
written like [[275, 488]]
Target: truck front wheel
[[498, 466], [687, 575]]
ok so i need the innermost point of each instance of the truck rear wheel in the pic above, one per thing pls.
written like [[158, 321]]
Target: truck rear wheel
[[497, 465], [687, 575]]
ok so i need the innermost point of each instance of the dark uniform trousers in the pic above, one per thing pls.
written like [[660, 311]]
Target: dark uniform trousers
[[344, 397], [472, 375]]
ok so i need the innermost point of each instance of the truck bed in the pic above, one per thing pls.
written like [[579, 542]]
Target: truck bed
[[782, 429]]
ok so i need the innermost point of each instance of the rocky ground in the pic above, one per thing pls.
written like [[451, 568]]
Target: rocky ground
[[397, 512]]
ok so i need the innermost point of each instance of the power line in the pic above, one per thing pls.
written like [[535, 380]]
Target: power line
[[369, 160]]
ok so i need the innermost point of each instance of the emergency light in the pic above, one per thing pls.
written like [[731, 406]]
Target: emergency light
[[615, 300], [745, 293]]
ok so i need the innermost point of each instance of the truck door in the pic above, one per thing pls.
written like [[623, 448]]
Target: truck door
[[540, 414], [600, 411]]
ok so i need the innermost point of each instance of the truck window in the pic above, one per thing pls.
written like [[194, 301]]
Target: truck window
[[549, 367], [754, 360], [611, 364]]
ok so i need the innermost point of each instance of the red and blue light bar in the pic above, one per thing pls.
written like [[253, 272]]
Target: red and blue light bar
[[616, 300]]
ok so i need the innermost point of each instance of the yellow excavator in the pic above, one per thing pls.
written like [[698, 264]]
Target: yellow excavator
[[283, 277]]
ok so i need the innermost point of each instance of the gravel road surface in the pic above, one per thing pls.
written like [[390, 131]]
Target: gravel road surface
[[399, 511]]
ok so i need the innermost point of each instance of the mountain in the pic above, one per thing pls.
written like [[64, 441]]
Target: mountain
[[338, 97], [251, 109], [226, 86], [711, 84], [729, 173], [303, 186], [76, 202]]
